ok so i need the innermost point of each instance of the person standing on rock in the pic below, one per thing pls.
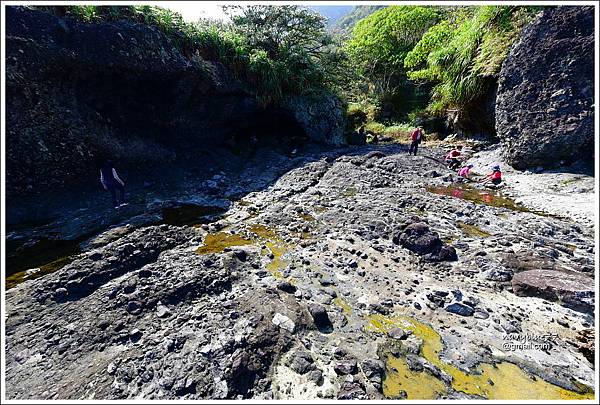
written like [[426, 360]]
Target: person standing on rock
[[416, 136], [112, 182]]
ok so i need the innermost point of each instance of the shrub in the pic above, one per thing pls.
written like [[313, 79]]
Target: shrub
[[462, 52]]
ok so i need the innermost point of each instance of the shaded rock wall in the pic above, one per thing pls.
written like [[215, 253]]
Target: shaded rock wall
[[78, 92], [544, 107]]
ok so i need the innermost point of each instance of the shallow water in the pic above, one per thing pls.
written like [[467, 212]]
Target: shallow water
[[273, 245], [189, 214], [42, 257], [491, 198], [491, 381], [276, 246]]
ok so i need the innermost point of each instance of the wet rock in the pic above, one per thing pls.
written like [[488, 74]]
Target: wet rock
[[460, 309], [573, 290]]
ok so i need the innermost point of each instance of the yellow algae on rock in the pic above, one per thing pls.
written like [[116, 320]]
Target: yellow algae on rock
[[492, 381], [472, 230], [403, 383], [276, 246], [263, 232], [277, 264], [340, 302], [31, 274], [217, 242]]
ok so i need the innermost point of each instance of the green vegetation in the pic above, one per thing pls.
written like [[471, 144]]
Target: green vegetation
[[463, 53], [346, 23], [277, 51], [415, 60], [398, 63], [378, 47]]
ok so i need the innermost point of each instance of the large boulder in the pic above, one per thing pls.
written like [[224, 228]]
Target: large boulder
[[544, 104], [418, 238], [571, 289], [321, 116]]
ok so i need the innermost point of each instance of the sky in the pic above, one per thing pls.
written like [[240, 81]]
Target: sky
[[192, 11]]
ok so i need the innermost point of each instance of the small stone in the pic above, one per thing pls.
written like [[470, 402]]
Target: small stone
[[111, 369], [398, 333], [286, 286], [162, 311], [345, 367], [134, 307], [284, 322], [319, 315], [316, 376]]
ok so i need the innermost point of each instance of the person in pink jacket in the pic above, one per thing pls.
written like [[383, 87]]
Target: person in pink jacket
[[464, 171]]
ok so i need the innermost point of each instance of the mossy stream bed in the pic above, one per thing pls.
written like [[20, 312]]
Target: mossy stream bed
[[500, 381]]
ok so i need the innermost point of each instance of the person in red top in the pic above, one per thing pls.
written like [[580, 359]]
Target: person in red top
[[416, 136], [495, 177], [452, 158]]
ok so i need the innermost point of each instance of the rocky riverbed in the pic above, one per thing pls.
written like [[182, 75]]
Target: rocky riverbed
[[352, 273]]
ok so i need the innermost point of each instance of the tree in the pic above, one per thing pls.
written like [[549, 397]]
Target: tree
[[290, 50], [380, 43]]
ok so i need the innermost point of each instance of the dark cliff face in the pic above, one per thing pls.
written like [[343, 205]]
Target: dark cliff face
[[79, 92], [545, 98]]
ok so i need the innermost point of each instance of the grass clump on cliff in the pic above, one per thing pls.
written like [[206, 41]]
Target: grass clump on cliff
[[463, 53], [277, 51]]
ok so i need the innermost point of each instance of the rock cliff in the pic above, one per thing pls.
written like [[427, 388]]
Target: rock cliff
[[77, 92], [544, 107]]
